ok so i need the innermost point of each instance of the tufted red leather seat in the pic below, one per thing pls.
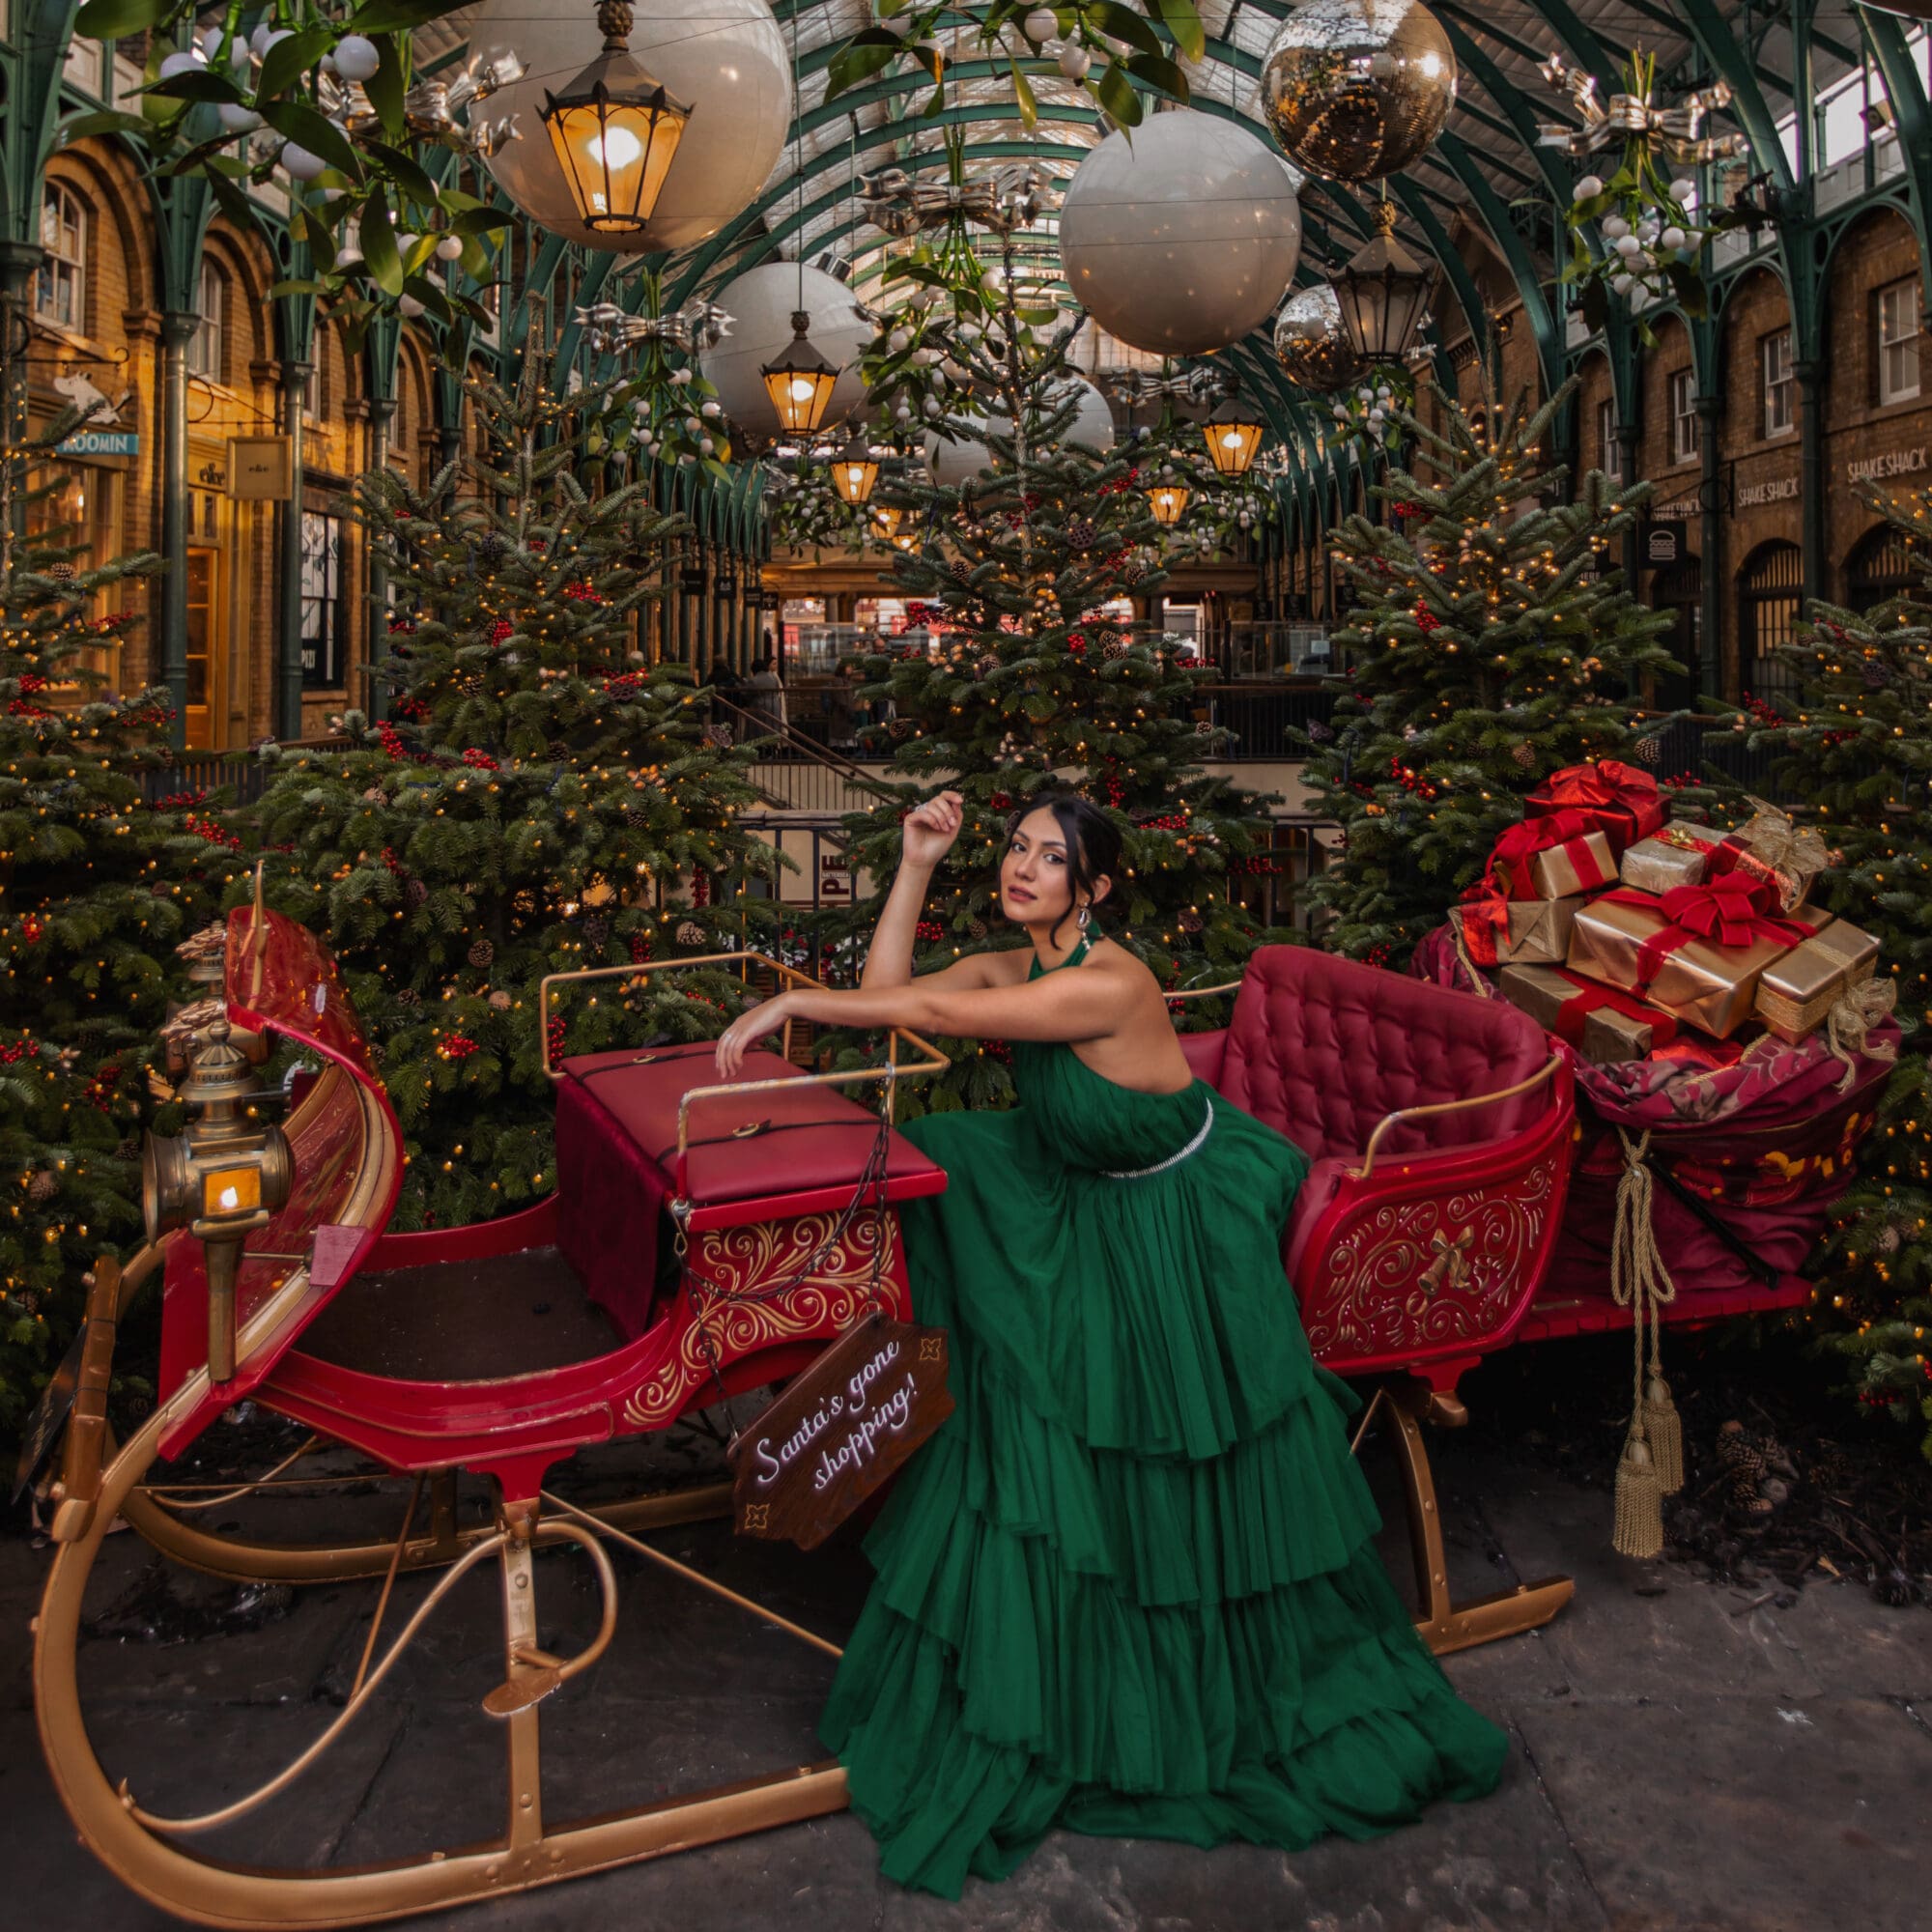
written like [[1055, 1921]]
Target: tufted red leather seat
[[1321, 1049]]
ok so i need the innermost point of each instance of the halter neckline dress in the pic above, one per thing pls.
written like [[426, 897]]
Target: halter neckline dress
[[1128, 1588]]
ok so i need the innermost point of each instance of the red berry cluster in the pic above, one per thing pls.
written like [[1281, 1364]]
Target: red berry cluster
[[538, 545], [1410, 780], [1377, 956], [1001, 801], [15, 1050], [391, 740], [1115, 793], [626, 684], [401, 627], [479, 760], [390, 860], [211, 832], [31, 930], [1405, 510], [1257, 863], [31, 680], [554, 1036], [701, 888], [1834, 738], [501, 630], [1426, 619], [181, 801], [929, 931], [1076, 646], [410, 708], [25, 707], [458, 1046], [1765, 713], [640, 951], [101, 1089], [583, 591], [1167, 821]]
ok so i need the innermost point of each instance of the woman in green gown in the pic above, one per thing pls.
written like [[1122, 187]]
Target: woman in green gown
[[1129, 1587]]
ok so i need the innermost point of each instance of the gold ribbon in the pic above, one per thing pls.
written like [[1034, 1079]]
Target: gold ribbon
[[1675, 130], [1848, 1026], [1798, 849], [1005, 199]]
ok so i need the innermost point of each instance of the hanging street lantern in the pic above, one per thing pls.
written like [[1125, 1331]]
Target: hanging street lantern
[[854, 472], [615, 131], [1169, 500], [1383, 293], [1234, 440], [886, 521], [799, 381]]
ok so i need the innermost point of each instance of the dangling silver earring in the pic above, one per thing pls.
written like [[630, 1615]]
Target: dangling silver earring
[[1086, 913]]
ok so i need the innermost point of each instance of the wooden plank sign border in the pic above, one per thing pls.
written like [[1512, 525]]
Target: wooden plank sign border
[[845, 1426]]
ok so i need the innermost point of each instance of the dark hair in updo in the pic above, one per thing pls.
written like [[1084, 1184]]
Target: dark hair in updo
[[1092, 842]]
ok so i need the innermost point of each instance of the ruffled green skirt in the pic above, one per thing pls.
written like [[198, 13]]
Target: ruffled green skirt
[[1130, 1586]]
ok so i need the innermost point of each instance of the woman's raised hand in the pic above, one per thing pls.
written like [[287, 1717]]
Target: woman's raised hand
[[930, 831]]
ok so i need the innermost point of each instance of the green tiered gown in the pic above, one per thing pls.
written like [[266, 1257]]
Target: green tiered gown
[[1128, 1588]]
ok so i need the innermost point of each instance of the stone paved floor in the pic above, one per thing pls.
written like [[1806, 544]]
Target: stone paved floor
[[1683, 1755]]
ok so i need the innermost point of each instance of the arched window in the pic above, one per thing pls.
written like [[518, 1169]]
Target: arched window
[[1878, 568], [1679, 590], [59, 289], [203, 346], [1769, 588]]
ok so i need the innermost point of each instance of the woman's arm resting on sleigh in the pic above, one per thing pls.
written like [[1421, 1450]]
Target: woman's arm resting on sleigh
[[1057, 1007]]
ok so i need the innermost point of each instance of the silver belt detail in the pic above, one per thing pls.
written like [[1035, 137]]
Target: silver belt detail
[[1172, 1160]]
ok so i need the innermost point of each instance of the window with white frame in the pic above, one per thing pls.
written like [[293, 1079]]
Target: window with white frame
[[1897, 308], [1608, 460], [60, 289], [203, 346], [1684, 425], [1780, 387]]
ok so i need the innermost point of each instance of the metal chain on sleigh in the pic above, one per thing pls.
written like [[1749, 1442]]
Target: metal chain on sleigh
[[708, 1294], [1651, 1466]]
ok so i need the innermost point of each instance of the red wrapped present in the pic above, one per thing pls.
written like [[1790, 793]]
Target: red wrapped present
[[1618, 800]]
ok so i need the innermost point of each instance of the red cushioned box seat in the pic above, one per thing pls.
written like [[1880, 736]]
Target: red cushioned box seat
[[617, 1162]]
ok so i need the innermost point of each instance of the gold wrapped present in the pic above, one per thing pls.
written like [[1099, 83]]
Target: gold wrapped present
[[1524, 933], [1657, 863], [1609, 1037], [1768, 847], [1578, 865], [1704, 972], [1796, 994]]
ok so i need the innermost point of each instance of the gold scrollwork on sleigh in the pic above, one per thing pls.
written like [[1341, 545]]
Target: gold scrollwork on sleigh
[[1429, 1271], [720, 1320]]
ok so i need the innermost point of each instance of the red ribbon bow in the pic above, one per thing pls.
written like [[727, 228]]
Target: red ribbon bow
[[1728, 911], [1513, 853]]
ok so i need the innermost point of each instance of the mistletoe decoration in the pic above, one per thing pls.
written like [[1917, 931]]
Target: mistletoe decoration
[[1102, 47], [1368, 412], [334, 114], [1644, 212], [665, 409]]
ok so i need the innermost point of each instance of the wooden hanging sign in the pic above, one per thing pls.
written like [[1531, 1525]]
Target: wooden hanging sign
[[840, 1431]]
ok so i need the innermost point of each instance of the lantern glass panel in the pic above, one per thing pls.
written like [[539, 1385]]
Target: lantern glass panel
[[615, 145], [1169, 500], [1232, 445]]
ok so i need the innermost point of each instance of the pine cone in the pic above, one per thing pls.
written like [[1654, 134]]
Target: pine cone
[[636, 818], [408, 997], [1649, 751], [129, 1150], [959, 570], [159, 890], [1524, 754], [976, 927], [481, 954], [44, 1185], [1191, 921], [596, 931], [690, 933], [416, 892], [1117, 647]]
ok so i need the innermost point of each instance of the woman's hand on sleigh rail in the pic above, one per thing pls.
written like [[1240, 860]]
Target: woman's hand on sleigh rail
[[753, 1025]]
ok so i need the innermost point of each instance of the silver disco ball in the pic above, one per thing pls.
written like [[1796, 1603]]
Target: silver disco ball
[[1357, 89], [1312, 343]]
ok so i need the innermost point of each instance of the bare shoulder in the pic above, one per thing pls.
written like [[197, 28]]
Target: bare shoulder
[[1125, 967]]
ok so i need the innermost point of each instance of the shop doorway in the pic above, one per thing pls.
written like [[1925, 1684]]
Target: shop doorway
[[207, 650], [1878, 569], [1678, 592], [1769, 588]]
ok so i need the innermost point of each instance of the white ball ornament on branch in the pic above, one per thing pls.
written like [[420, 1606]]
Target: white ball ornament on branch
[[1180, 242]]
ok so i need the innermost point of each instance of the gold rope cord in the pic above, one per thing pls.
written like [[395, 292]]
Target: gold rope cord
[[1651, 1466]]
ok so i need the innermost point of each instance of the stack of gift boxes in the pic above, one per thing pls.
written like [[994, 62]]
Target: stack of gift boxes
[[1634, 938]]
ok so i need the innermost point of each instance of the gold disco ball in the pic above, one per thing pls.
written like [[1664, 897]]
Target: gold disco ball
[[1312, 344], [1357, 89]]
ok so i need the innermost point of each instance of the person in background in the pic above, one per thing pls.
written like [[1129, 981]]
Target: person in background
[[728, 690], [764, 698], [842, 707]]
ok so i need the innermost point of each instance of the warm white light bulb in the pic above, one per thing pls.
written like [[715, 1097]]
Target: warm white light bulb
[[802, 389], [616, 148]]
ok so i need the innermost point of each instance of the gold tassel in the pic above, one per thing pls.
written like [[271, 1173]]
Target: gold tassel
[[1640, 1524], [1665, 1433]]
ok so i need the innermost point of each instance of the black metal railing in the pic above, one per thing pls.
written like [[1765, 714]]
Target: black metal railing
[[1689, 747]]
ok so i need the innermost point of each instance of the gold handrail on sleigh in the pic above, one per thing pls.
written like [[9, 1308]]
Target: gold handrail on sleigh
[[932, 1060]]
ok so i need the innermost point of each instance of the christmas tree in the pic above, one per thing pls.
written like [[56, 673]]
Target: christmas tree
[[1857, 744], [540, 800], [96, 886], [1488, 646], [1030, 680]]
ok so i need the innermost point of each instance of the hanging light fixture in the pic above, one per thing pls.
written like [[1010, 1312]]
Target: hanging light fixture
[[1169, 500], [1384, 294], [615, 131], [799, 381], [1234, 439], [854, 472], [886, 521]]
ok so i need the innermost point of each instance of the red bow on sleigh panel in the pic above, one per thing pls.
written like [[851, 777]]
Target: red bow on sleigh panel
[[1731, 911]]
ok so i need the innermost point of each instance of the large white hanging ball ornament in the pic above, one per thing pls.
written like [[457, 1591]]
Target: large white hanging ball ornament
[[953, 464], [1312, 343], [356, 57], [1091, 427], [761, 302], [1180, 242], [727, 58], [1357, 89], [1093, 424]]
